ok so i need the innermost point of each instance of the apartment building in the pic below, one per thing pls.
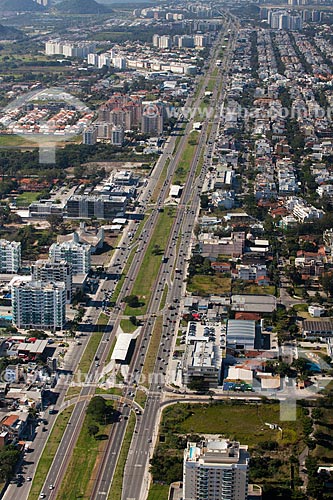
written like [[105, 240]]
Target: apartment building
[[152, 120], [89, 136], [216, 469], [48, 271], [117, 135], [10, 256], [69, 49], [76, 255], [39, 305]]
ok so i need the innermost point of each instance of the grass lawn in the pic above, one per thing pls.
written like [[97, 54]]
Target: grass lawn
[[200, 163], [72, 392], [89, 352], [127, 326], [117, 483], [77, 481], [164, 297], [205, 285], [15, 140], [244, 422], [259, 290], [120, 283], [228, 420], [158, 492], [116, 391], [184, 164], [154, 345], [25, 199], [49, 452], [141, 397], [151, 263], [212, 81], [103, 319], [301, 307], [160, 182], [324, 450]]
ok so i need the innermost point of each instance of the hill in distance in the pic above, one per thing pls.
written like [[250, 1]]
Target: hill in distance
[[10, 33], [82, 7], [20, 6]]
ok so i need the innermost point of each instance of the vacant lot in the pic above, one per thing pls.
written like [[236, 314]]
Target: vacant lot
[[201, 284]]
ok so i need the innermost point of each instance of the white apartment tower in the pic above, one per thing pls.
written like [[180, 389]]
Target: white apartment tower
[[117, 135], [89, 135], [10, 256], [39, 305], [215, 470], [78, 256], [46, 270]]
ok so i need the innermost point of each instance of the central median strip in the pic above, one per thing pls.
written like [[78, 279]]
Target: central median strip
[[117, 482], [89, 352], [93, 438], [153, 347], [151, 262], [49, 452], [185, 162], [160, 182]]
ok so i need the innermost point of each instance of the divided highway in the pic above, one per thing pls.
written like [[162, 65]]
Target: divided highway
[[135, 475]]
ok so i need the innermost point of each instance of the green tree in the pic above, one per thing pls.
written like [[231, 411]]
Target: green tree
[[93, 430]]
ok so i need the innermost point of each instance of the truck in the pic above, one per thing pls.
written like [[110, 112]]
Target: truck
[[51, 410]]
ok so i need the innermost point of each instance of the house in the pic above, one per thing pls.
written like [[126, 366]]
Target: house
[[14, 424]]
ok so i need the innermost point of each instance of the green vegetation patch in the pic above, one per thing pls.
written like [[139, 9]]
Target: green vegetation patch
[[151, 262], [127, 326], [158, 492], [103, 319], [183, 422], [228, 420], [117, 482], [24, 199], [154, 344], [89, 352], [92, 439], [185, 162], [49, 452], [205, 285]]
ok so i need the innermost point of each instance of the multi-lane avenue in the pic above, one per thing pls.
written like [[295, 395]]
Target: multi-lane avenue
[[136, 478]]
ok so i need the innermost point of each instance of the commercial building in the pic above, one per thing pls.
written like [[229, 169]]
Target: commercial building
[[99, 206], [38, 305], [241, 334], [202, 361], [318, 328], [44, 208], [216, 469], [10, 256], [76, 255], [46, 270]]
